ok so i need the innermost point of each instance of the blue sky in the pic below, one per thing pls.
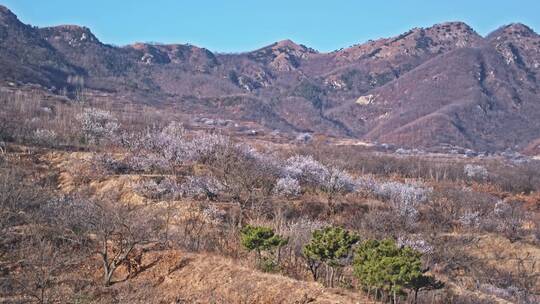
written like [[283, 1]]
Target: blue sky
[[238, 25]]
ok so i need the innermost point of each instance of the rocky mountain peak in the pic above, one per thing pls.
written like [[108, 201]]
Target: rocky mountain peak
[[512, 31], [519, 29], [436, 39], [74, 35], [453, 34], [284, 55], [290, 45], [7, 17], [5, 11]]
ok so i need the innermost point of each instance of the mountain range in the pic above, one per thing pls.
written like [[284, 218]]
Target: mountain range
[[442, 85]]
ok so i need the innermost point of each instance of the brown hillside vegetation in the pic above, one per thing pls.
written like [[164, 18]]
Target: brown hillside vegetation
[[387, 172], [178, 277], [209, 265]]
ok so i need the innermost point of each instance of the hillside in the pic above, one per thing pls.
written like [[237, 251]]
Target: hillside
[[429, 86]]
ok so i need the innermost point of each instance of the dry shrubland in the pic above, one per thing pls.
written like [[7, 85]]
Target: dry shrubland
[[98, 206]]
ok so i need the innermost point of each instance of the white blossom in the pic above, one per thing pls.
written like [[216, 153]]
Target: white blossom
[[364, 183], [168, 143], [508, 218], [501, 208], [171, 144], [201, 186], [338, 181], [205, 145], [470, 219], [213, 214], [306, 169], [44, 136], [475, 171], [404, 198], [287, 186], [416, 243], [148, 162], [97, 124]]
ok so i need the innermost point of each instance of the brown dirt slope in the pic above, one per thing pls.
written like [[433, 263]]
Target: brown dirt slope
[[179, 277]]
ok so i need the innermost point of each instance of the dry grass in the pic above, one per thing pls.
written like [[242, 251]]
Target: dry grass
[[518, 257], [179, 277]]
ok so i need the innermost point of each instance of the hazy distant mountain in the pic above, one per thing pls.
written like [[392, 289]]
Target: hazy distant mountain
[[443, 84]]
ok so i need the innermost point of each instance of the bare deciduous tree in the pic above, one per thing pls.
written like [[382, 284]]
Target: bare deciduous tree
[[248, 176], [118, 228]]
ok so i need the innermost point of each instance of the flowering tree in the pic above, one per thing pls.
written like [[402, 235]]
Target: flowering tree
[[509, 218], [287, 186], [205, 147], [143, 161], [336, 182], [166, 148], [171, 143], [306, 169], [156, 148], [97, 125], [44, 136], [331, 181], [416, 243], [366, 183], [201, 187], [475, 171], [404, 198]]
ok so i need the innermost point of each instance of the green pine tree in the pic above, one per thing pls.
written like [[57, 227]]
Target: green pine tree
[[328, 246], [383, 266], [263, 240]]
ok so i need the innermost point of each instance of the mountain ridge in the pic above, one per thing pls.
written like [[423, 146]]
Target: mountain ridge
[[415, 89]]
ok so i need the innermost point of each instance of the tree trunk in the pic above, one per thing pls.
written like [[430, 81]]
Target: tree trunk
[[331, 276], [167, 224], [314, 269], [243, 207], [42, 297], [326, 275], [107, 274]]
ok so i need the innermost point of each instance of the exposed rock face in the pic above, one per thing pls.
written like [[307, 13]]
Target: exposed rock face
[[365, 100], [416, 42], [429, 86], [199, 58], [282, 56], [72, 35]]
